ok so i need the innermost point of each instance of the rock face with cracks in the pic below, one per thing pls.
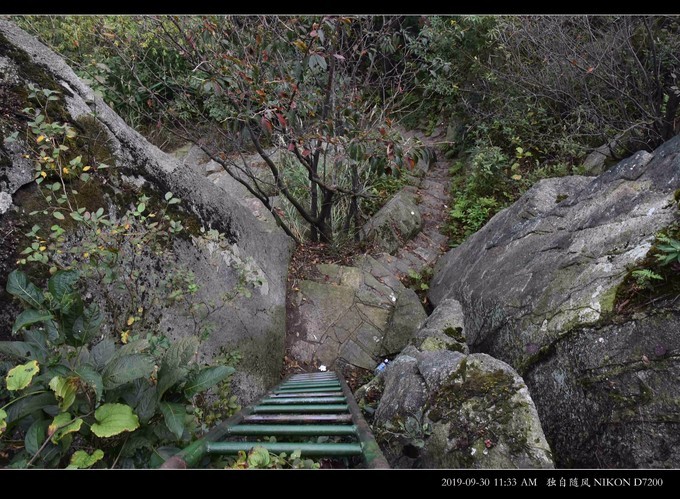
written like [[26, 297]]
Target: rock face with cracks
[[538, 286], [252, 246], [355, 314]]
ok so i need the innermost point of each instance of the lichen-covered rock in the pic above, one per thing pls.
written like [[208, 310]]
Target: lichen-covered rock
[[252, 254], [347, 313], [394, 224], [538, 285], [442, 408]]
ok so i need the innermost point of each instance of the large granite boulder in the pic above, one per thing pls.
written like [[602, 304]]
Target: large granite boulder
[[538, 285], [394, 224], [441, 408], [251, 253]]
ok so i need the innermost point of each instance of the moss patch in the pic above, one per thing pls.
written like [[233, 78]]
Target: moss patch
[[478, 408], [456, 333]]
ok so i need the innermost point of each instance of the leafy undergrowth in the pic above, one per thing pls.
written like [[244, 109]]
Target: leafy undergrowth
[[656, 278]]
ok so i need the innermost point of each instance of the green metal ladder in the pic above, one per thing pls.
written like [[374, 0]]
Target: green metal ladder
[[303, 405]]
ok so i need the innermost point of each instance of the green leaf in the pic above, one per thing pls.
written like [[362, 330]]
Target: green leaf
[[92, 378], [58, 215], [3, 421], [19, 349], [61, 283], [174, 415], [121, 370], [113, 419], [81, 460], [259, 458], [62, 425], [28, 317], [19, 286], [65, 389], [21, 376], [142, 396], [176, 363], [37, 341], [102, 352], [87, 325], [207, 378], [141, 207], [168, 196], [35, 436], [28, 405]]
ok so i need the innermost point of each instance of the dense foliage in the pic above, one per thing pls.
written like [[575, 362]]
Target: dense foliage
[[319, 100]]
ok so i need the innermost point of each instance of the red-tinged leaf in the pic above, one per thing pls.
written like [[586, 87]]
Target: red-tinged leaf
[[291, 147], [306, 153], [293, 105], [282, 120], [266, 124], [411, 162], [313, 34], [339, 57], [382, 132]]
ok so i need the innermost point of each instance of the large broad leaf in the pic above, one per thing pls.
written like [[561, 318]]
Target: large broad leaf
[[3, 421], [28, 405], [21, 376], [62, 425], [207, 378], [102, 352], [113, 419], [28, 317], [142, 396], [19, 286], [81, 460], [72, 308], [65, 389], [127, 368], [176, 363], [87, 325], [61, 283], [92, 378], [19, 349], [174, 415], [38, 343], [35, 436], [137, 346]]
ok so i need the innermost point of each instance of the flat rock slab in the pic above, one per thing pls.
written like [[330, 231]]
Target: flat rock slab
[[356, 314]]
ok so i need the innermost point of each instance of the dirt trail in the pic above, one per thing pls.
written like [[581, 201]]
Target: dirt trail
[[433, 197]]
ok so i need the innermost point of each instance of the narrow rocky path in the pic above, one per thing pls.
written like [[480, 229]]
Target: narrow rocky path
[[433, 197]]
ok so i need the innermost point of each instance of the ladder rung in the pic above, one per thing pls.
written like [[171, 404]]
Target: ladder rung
[[309, 384], [280, 391], [310, 394], [301, 400], [283, 429], [301, 408], [306, 448], [298, 418]]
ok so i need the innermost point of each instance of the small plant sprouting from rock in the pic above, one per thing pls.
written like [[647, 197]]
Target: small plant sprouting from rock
[[670, 250], [645, 277]]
